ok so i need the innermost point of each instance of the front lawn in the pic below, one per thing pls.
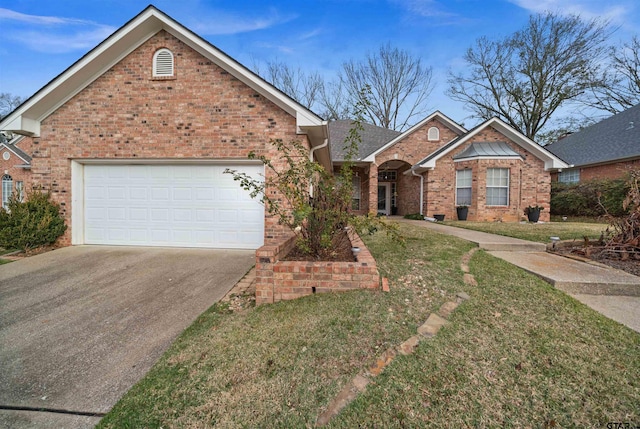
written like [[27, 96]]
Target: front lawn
[[539, 232], [518, 354]]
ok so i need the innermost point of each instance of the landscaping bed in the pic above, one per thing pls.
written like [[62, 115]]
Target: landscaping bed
[[518, 353]]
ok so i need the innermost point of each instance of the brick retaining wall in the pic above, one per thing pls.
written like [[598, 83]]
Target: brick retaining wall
[[278, 280]]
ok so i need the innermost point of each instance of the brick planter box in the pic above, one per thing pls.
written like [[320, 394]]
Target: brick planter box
[[278, 280]]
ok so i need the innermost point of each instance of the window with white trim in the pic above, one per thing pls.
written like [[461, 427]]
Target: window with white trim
[[163, 63], [7, 189], [433, 134], [463, 187], [497, 186], [569, 176], [356, 193], [20, 190]]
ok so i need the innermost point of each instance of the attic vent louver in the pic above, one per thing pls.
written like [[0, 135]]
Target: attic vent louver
[[163, 63]]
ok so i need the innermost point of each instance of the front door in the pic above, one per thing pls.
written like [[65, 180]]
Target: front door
[[384, 198]]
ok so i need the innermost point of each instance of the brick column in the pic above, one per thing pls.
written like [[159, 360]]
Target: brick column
[[373, 188]]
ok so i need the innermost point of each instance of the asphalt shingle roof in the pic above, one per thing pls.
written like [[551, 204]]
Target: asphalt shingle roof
[[373, 138], [614, 138]]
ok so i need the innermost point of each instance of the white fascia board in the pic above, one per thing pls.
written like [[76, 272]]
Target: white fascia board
[[20, 124], [304, 116], [550, 160], [437, 114]]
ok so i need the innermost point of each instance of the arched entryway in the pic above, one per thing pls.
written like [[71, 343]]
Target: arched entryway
[[396, 189]]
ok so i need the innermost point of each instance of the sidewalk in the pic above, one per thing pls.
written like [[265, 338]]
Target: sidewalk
[[612, 292]]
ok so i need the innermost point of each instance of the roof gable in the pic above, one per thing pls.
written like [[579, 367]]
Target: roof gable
[[27, 117], [612, 139], [11, 147], [454, 126], [550, 161]]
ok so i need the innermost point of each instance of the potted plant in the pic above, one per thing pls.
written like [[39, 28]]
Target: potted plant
[[533, 212], [462, 211]]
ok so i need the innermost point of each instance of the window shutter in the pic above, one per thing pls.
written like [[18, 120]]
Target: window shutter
[[163, 63]]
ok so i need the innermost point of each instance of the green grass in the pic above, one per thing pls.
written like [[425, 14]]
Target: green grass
[[518, 354], [539, 232]]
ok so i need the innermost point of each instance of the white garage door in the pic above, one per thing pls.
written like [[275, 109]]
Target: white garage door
[[171, 205]]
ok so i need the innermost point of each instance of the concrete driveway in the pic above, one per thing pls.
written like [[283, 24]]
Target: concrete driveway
[[80, 325]]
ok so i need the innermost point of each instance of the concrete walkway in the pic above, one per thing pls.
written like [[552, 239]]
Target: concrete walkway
[[612, 292]]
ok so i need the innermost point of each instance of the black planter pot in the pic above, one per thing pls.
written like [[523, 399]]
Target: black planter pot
[[394, 211], [439, 217], [533, 215], [462, 212]]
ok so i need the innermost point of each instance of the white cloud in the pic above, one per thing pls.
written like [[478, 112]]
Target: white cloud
[[589, 9], [424, 8], [220, 23], [53, 34], [11, 15]]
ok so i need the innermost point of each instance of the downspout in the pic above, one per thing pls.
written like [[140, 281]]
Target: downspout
[[313, 150], [421, 176]]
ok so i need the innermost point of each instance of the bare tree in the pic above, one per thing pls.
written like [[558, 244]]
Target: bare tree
[[524, 78], [334, 102], [303, 87], [621, 81], [399, 86], [8, 102]]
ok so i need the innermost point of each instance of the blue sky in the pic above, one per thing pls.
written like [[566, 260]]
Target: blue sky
[[38, 39]]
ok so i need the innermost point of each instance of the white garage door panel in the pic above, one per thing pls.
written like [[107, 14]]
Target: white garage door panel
[[171, 205]]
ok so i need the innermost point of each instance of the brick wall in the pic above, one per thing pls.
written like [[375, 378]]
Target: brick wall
[[412, 149], [278, 280], [202, 113], [614, 170], [529, 184]]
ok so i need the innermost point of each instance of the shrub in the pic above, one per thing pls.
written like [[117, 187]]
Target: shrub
[[32, 223], [414, 216], [592, 198], [319, 217]]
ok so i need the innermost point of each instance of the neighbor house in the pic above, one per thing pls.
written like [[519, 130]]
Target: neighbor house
[[133, 140], [438, 165], [15, 164], [606, 150]]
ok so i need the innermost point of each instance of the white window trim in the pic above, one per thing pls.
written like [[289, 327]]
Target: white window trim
[[171, 64], [466, 187], [571, 173], [356, 192], [6, 180], [433, 134], [508, 186]]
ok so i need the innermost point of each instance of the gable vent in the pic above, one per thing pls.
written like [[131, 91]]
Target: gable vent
[[163, 63]]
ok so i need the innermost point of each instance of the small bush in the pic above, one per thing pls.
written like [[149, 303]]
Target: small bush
[[414, 216], [592, 198], [32, 223]]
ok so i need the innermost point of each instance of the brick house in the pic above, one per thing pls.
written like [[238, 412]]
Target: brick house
[[132, 141], [438, 165], [605, 150], [15, 164]]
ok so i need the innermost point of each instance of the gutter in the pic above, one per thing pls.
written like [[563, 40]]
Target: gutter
[[313, 150]]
